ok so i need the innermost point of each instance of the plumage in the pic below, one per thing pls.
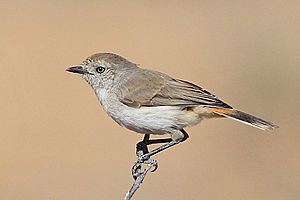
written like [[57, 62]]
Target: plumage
[[152, 102], [158, 89], [109, 58]]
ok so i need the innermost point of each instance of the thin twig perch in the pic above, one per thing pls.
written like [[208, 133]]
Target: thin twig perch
[[140, 174]]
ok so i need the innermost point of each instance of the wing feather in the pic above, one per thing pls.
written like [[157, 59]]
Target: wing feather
[[150, 88]]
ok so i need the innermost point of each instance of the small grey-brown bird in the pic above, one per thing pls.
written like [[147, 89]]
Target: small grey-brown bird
[[151, 102]]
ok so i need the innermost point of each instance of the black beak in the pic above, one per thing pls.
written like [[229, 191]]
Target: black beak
[[77, 69]]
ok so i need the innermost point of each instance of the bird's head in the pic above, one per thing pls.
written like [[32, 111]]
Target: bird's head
[[101, 69]]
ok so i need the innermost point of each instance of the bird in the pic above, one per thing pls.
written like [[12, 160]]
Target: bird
[[150, 102]]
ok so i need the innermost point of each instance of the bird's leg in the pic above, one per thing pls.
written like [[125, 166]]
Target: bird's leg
[[144, 154], [142, 149], [142, 145], [182, 135]]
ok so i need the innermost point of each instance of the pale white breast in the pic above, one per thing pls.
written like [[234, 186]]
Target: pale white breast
[[101, 93]]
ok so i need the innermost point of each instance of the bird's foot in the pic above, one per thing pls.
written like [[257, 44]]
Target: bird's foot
[[143, 159]]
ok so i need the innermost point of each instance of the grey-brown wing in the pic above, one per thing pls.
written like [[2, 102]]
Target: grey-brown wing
[[141, 87], [185, 93], [158, 89]]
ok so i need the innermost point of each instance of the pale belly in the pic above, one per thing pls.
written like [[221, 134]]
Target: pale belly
[[154, 120]]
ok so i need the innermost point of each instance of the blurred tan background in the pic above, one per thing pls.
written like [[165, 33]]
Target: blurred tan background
[[56, 143]]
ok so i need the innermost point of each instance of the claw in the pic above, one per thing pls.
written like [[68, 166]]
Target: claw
[[153, 164], [155, 167], [136, 170], [137, 167]]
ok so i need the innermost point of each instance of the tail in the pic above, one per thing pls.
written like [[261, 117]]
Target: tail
[[244, 118]]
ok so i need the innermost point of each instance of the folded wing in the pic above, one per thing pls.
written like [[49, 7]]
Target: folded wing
[[150, 88]]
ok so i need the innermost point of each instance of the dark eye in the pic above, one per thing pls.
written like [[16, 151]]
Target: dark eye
[[100, 69]]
